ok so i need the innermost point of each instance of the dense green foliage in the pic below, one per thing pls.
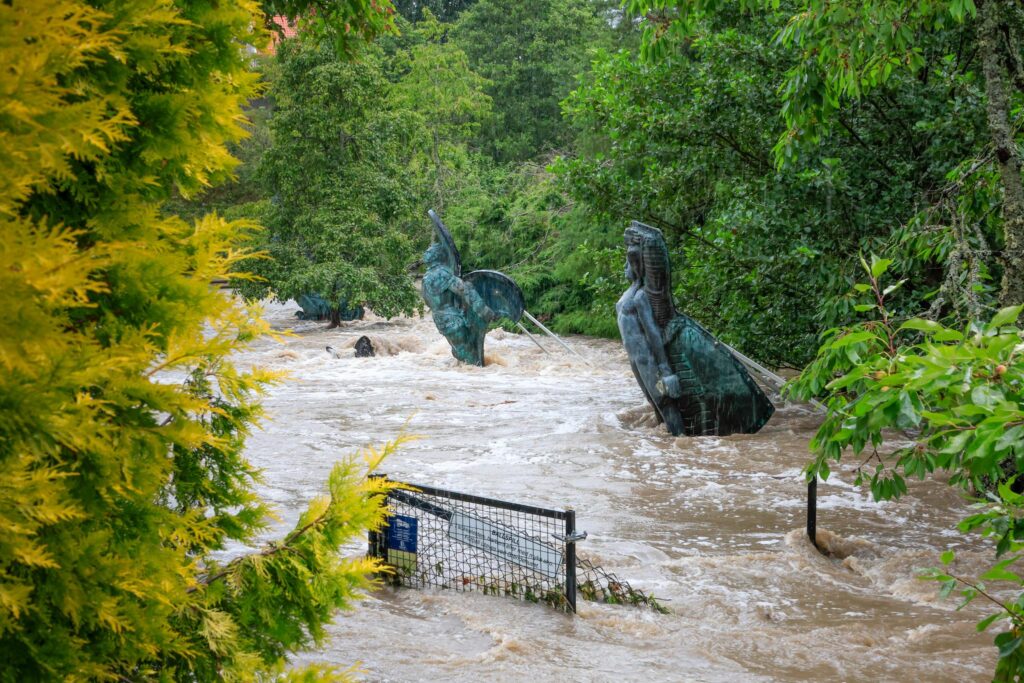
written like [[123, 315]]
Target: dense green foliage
[[530, 52], [955, 397], [122, 418], [338, 183]]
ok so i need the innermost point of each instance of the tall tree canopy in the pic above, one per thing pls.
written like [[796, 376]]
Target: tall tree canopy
[[342, 193], [434, 80], [530, 52], [686, 142], [846, 50]]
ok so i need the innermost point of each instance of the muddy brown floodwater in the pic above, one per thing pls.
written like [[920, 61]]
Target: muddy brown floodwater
[[713, 527]]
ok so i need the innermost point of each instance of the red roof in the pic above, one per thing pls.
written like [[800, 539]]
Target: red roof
[[288, 30]]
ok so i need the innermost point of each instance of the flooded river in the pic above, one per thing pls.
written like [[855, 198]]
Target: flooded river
[[713, 527]]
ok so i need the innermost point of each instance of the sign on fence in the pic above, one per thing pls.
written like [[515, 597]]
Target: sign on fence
[[402, 542], [506, 544]]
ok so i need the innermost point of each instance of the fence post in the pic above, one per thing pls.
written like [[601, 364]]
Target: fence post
[[376, 540], [812, 510], [570, 559]]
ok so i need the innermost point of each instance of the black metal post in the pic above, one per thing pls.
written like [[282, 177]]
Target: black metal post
[[375, 539], [812, 510], [570, 558]]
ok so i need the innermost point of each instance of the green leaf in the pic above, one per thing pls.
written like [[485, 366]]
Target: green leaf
[[879, 266], [999, 574], [1005, 316], [987, 621], [957, 442], [1007, 647], [948, 556], [921, 324], [892, 288], [1012, 437], [853, 338], [985, 396], [908, 415], [947, 334]]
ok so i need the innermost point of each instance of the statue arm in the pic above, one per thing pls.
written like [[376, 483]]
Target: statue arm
[[470, 299], [655, 340]]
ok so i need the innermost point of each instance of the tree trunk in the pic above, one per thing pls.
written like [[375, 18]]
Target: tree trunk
[[992, 48], [335, 318]]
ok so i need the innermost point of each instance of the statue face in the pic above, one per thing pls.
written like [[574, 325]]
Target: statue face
[[634, 254], [634, 263]]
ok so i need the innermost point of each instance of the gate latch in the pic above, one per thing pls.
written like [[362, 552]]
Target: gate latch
[[571, 538]]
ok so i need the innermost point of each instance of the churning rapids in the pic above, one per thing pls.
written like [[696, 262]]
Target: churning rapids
[[712, 527]]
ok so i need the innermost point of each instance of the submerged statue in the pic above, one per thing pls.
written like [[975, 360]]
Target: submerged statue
[[315, 307], [463, 308], [696, 385]]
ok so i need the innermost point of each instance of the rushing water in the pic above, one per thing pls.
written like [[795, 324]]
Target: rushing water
[[713, 527]]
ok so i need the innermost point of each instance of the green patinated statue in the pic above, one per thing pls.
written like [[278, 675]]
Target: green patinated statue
[[315, 307], [696, 385], [464, 309]]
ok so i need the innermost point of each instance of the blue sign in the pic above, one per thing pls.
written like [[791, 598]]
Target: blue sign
[[402, 533]]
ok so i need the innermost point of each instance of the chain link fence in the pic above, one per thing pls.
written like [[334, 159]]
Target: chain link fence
[[457, 541]]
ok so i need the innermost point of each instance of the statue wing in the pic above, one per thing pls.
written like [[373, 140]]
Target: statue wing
[[499, 292], [454, 261]]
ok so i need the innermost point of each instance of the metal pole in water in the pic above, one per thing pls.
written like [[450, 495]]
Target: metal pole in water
[[812, 510], [532, 338], [570, 559], [555, 337], [375, 543]]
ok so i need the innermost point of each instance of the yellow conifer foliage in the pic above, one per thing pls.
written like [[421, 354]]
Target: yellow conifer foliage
[[122, 419]]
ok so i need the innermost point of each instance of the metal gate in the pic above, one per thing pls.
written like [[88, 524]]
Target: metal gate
[[458, 541]]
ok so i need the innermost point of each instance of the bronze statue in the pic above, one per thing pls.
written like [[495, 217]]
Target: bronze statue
[[315, 307], [464, 308], [696, 385]]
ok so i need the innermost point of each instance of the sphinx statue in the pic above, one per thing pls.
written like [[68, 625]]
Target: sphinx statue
[[464, 308], [695, 383]]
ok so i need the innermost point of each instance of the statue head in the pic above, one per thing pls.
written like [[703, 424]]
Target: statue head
[[648, 259], [634, 255], [435, 254]]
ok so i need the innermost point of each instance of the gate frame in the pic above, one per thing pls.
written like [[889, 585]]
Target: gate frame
[[377, 540]]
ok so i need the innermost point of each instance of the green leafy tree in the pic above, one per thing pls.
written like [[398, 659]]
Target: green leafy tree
[[531, 53], [342, 194], [685, 143], [445, 11], [437, 83], [122, 418], [345, 24], [957, 395]]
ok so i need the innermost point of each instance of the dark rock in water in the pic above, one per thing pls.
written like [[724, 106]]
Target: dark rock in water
[[364, 347]]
